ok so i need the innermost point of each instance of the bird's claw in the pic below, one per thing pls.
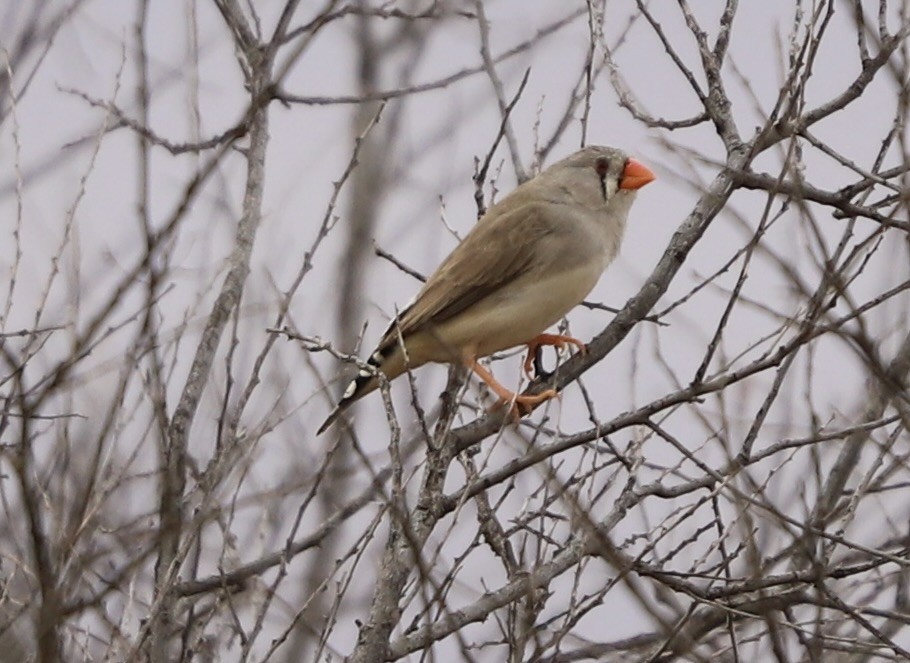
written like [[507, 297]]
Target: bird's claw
[[558, 341], [523, 404]]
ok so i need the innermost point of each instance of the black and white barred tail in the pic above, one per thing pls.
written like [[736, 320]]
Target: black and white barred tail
[[360, 386]]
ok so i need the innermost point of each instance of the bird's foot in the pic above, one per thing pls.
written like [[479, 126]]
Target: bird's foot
[[523, 404], [559, 341], [519, 404]]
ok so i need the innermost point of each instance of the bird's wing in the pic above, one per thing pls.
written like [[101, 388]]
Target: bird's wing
[[495, 253]]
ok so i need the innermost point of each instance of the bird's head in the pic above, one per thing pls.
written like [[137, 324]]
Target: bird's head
[[597, 176]]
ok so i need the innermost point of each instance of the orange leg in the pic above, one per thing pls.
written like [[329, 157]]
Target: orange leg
[[557, 340], [520, 404]]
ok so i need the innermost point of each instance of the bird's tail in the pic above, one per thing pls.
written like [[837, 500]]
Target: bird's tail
[[360, 386]]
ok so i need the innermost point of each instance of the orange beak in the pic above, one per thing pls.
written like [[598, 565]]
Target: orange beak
[[635, 175]]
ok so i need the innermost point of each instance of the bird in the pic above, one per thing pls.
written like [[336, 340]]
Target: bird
[[529, 260]]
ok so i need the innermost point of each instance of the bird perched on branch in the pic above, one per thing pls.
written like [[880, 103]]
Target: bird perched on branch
[[530, 259]]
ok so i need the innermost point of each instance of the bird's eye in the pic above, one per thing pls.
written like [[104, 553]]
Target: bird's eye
[[602, 165]]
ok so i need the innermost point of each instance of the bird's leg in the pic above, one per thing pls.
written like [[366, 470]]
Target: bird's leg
[[557, 340], [521, 404]]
